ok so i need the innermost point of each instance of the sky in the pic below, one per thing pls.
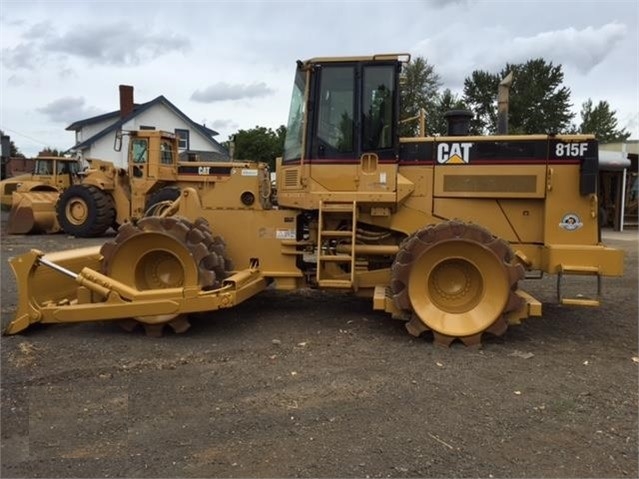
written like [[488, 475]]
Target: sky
[[230, 65]]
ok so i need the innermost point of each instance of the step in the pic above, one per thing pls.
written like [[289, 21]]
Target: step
[[336, 258], [581, 302], [336, 233], [579, 270], [337, 207], [335, 283]]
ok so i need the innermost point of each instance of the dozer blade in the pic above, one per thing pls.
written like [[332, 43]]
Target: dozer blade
[[39, 286], [33, 212], [67, 287]]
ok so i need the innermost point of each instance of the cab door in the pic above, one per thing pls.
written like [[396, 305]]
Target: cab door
[[353, 141], [333, 154], [138, 158], [377, 170]]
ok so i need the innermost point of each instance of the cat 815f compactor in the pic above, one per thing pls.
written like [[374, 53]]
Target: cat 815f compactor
[[435, 230]]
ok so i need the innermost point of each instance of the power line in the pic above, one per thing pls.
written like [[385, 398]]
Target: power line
[[24, 136]]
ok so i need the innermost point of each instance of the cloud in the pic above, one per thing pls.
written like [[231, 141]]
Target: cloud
[[446, 3], [68, 110], [223, 91], [222, 124], [582, 49], [117, 44], [23, 55]]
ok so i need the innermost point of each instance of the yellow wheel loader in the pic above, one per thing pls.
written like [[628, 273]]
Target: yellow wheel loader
[[30, 196], [106, 196], [436, 231]]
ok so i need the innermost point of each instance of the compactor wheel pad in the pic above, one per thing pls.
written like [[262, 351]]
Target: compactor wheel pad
[[161, 253], [457, 280]]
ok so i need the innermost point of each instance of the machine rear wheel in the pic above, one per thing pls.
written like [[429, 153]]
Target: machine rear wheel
[[160, 200], [160, 253], [85, 211], [458, 280]]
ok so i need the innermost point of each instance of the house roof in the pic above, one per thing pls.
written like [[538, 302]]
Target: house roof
[[137, 109]]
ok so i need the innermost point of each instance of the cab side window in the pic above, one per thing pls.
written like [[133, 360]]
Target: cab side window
[[377, 108], [166, 153], [43, 167]]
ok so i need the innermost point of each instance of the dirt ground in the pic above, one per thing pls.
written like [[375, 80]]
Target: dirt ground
[[313, 384]]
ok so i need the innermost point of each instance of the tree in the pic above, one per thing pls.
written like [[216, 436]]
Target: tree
[[602, 122], [539, 103], [260, 144], [480, 94], [445, 102], [48, 151], [419, 89]]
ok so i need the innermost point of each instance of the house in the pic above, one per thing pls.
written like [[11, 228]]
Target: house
[[95, 137]]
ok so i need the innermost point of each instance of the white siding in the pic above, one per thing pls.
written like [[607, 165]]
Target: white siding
[[158, 116], [89, 130]]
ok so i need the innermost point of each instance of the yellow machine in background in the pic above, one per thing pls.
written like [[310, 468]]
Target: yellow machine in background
[[105, 196], [30, 196], [436, 231], [110, 196]]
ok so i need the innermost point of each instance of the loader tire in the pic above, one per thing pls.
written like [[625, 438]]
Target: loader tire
[[457, 280], [159, 253], [162, 196], [85, 211]]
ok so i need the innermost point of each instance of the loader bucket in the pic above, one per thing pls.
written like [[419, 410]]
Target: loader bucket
[[40, 286], [33, 212]]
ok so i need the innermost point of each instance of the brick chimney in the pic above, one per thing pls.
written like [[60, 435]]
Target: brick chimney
[[126, 100]]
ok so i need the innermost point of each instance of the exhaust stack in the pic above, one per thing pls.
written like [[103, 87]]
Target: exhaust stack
[[502, 104]]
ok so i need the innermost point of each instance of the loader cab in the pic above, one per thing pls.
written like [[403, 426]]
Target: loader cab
[[153, 156], [342, 127], [55, 171]]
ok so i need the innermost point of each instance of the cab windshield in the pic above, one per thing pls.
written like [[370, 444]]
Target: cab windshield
[[296, 116]]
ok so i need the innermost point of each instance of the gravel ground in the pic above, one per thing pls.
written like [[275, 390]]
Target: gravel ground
[[312, 384]]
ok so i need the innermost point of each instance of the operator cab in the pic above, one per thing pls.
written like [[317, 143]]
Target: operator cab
[[342, 140], [343, 108]]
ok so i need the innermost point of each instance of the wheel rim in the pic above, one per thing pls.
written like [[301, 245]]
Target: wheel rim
[[167, 265], [76, 211], [458, 288], [161, 253], [158, 270]]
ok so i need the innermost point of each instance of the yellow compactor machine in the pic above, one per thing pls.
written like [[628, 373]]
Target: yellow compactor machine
[[437, 231]]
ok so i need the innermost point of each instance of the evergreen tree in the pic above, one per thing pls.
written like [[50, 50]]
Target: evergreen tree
[[446, 101], [419, 89], [538, 101], [480, 94], [601, 121]]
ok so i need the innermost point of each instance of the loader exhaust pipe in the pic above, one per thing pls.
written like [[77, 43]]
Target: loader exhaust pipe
[[503, 93], [458, 122]]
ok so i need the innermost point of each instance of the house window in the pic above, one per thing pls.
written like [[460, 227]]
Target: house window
[[146, 127], [183, 139]]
